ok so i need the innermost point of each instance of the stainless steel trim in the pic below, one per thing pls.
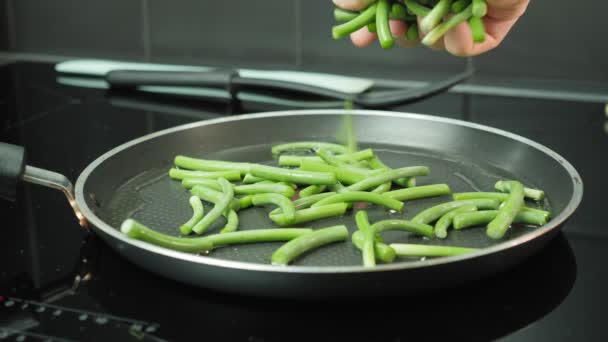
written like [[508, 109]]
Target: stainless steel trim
[[115, 233]]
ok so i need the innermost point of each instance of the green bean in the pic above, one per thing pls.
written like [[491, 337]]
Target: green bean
[[293, 176], [138, 231], [232, 222], [329, 158], [412, 33], [231, 175], [197, 213], [417, 8], [409, 226], [431, 20], [256, 235], [480, 8], [212, 196], [338, 187], [431, 214], [543, 213], [306, 242], [384, 31], [533, 194], [290, 160], [459, 196], [371, 27], [389, 175], [345, 174], [287, 208], [459, 5], [382, 251], [506, 214], [305, 202], [263, 187], [382, 188], [210, 165], [409, 250], [219, 207], [419, 192], [367, 250], [448, 24], [353, 25], [478, 30], [399, 12], [442, 225], [480, 218], [377, 164], [312, 190], [344, 15], [250, 179], [308, 145], [311, 214], [361, 196], [189, 183]]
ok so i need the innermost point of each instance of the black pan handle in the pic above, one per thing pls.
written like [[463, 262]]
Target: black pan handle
[[12, 168]]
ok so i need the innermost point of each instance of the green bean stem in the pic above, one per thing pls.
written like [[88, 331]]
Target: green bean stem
[[441, 29], [431, 20], [138, 231], [409, 250], [409, 226], [419, 192], [311, 214], [533, 194], [256, 235], [210, 165], [308, 145], [478, 30], [362, 196], [231, 175], [305, 202], [480, 8], [287, 208], [431, 214], [459, 196], [312, 190], [384, 30], [382, 251], [219, 207], [416, 8], [250, 179], [293, 176], [459, 5], [353, 25], [442, 225], [344, 15], [367, 250], [480, 218], [306, 242], [197, 214], [506, 214], [387, 176]]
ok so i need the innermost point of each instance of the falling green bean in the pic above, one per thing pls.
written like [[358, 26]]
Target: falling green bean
[[431, 214], [442, 225], [306, 242]]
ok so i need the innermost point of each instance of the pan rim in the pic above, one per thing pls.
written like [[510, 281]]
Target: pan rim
[[555, 223]]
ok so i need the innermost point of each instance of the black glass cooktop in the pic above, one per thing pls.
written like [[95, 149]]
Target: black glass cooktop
[[60, 283]]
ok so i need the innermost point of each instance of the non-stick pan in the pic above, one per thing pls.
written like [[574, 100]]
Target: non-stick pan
[[131, 181]]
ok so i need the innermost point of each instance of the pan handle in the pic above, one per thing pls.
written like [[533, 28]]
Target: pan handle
[[13, 170]]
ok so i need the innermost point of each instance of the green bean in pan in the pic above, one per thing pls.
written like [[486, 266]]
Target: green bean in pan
[[382, 251], [312, 190], [480, 8], [361, 196], [416, 8], [305, 202], [330, 158], [212, 196], [409, 250], [481, 218], [431, 214], [306, 242], [382, 27], [197, 214], [478, 30], [377, 164], [408, 226], [292, 160], [256, 235], [263, 187], [138, 231], [448, 24], [210, 165], [189, 183], [442, 225], [344, 15], [364, 18], [293, 176], [369, 238], [250, 179], [219, 207], [423, 191], [232, 222], [344, 174], [460, 196], [543, 213], [382, 188], [434, 17], [311, 214], [308, 145], [533, 194], [497, 228], [231, 175], [287, 208], [389, 175]]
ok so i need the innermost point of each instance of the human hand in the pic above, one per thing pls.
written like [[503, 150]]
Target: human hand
[[501, 16]]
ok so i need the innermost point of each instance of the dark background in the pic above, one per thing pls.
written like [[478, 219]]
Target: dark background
[[556, 41]]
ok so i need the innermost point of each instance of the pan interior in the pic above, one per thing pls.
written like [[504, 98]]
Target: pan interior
[[161, 203]]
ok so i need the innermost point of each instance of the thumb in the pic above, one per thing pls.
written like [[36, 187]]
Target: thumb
[[353, 5]]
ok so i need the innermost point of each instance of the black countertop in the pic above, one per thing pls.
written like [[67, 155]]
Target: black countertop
[[58, 280]]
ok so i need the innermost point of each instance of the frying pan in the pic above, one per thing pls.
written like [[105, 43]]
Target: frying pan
[[131, 181]]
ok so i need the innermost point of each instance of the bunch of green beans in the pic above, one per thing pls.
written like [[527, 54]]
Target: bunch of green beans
[[318, 180], [429, 19]]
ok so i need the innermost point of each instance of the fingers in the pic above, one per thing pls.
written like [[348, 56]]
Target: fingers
[[353, 5], [459, 41], [362, 37]]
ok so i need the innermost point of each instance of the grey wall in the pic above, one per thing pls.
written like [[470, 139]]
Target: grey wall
[[555, 39]]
